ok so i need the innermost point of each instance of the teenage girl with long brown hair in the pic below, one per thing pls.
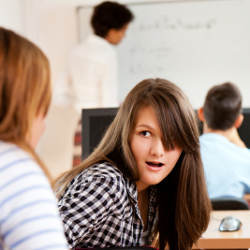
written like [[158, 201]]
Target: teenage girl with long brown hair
[[144, 179]]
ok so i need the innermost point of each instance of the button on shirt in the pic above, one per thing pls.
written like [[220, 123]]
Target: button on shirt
[[100, 209], [227, 166]]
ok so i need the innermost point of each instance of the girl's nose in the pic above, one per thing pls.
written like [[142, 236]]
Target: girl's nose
[[157, 148]]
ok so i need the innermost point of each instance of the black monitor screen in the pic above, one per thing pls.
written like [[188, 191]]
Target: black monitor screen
[[244, 129], [96, 121], [94, 124]]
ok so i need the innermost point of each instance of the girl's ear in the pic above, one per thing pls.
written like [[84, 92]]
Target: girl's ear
[[239, 121], [201, 114]]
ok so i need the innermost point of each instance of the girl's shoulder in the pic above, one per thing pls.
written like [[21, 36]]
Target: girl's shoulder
[[103, 169], [19, 172], [11, 151], [99, 174], [12, 157]]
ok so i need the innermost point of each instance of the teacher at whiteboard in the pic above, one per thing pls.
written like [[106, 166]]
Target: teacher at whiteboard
[[93, 63]]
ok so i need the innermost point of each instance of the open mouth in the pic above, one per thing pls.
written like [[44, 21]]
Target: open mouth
[[154, 164]]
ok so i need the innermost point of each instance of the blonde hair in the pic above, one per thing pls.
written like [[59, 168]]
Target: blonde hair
[[25, 89], [184, 206]]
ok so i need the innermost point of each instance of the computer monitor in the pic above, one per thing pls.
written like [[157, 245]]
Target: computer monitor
[[244, 129], [96, 121], [94, 124]]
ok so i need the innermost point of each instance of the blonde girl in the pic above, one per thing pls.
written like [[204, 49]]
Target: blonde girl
[[29, 218]]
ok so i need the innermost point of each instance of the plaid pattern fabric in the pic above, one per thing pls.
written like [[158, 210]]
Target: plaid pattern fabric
[[100, 209], [77, 150]]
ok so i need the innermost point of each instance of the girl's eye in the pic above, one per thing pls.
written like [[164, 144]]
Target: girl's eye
[[145, 133]]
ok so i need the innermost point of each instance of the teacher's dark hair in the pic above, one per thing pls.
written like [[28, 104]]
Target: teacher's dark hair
[[110, 15]]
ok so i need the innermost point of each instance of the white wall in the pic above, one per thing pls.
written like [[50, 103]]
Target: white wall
[[12, 15], [51, 25]]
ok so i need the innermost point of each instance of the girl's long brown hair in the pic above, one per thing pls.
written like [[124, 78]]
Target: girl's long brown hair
[[184, 206], [25, 90]]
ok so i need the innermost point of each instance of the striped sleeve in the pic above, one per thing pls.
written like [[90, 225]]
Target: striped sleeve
[[29, 218]]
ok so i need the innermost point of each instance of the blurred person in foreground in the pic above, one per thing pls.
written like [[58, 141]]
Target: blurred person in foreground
[[29, 216]]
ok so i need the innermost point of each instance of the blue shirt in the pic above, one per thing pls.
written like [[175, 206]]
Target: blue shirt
[[226, 166]]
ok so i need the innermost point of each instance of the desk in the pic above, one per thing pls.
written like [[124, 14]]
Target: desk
[[213, 239]]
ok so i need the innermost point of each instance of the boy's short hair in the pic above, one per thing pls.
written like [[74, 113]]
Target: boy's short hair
[[222, 106], [110, 15]]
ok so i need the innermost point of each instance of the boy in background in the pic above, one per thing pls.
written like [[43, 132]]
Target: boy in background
[[225, 157]]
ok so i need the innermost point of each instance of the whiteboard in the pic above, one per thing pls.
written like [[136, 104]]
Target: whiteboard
[[195, 44]]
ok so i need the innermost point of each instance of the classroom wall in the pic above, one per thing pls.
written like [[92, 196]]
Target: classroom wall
[[12, 15], [46, 23], [195, 44], [53, 26]]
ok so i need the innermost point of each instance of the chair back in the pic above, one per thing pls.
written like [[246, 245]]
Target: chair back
[[229, 203]]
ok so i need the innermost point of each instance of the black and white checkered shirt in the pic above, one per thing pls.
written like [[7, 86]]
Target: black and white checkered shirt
[[100, 209]]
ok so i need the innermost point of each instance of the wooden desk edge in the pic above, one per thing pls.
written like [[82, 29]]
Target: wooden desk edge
[[227, 243]]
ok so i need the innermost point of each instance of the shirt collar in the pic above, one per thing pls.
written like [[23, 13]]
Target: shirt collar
[[99, 40], [133, 193]]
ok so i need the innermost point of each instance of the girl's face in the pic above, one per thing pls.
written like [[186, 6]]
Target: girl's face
[[153, 161]]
